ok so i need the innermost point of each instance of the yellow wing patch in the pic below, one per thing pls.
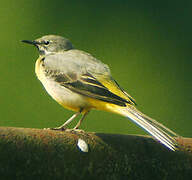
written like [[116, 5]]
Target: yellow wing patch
[[113, 86]]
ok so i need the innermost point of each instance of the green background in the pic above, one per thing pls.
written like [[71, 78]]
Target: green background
[[147, 45]]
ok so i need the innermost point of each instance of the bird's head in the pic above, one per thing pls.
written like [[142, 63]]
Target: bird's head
[[50, 44]]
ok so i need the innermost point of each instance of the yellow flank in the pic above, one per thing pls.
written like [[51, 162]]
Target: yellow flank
[[91, 104], [100, 105]]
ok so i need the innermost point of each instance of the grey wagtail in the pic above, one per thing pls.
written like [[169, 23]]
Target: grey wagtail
[[80, 82]]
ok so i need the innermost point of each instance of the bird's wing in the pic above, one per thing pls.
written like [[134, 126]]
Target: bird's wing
[[87, 77]]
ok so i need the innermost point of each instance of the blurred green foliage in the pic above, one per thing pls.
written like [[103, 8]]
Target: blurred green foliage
[[146, 44]]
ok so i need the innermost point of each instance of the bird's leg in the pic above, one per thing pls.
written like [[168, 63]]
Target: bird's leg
[[62, 127], [80, 121]]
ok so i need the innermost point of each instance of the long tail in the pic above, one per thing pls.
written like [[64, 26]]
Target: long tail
[[157, 130]]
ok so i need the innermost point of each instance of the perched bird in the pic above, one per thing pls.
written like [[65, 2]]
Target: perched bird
[[80, 82]]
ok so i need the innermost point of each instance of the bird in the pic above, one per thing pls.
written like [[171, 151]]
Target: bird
[[80, 82]]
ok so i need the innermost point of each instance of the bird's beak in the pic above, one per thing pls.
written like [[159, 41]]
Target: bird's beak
[[30, 42]]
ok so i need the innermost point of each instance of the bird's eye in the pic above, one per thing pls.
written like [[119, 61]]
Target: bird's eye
[[46, 42]]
